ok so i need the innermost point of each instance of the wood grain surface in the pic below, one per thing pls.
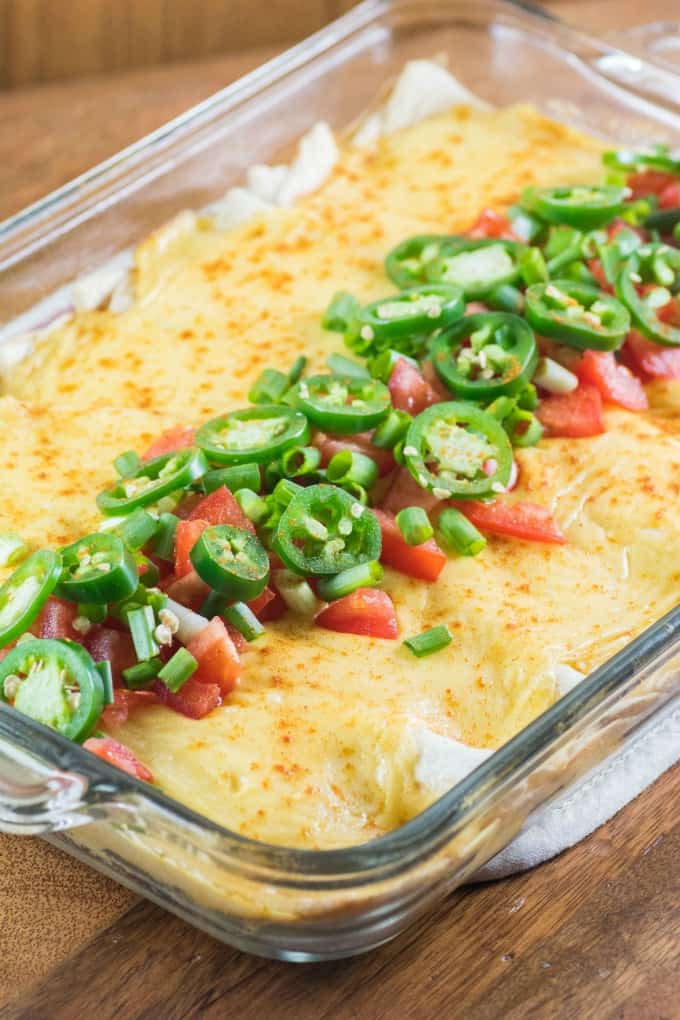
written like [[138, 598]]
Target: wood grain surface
[[593, 934]]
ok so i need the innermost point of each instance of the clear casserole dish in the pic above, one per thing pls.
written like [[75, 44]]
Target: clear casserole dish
[[299, 904]]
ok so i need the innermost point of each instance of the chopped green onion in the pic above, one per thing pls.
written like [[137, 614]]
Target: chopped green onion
[[507, 298], [553, 377], [459, 533], [296, 369], [214, 605], [532, 267], [523, 428], [149, 574], [12, 549], [104, 670], [244, 620], [414, 525], [501, 407], [237, 476], [141, 675], [560, 239], [357, 491], [137, 529], [157, 599], [382, 365], [178, 669], [300, 460], [254, 507], [273, 473], [528, 398], [164, 539], [269, 387], [432, 640], [524, 225], [340, 365], [558, 262], [340, 312], [127, 463], [350, 466], [296, 593], [94, 612], [392, 430], [364, 575], [142, 623], [284, 491]]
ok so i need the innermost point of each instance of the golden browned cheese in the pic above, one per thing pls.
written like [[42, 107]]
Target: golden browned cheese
[[317, 747]]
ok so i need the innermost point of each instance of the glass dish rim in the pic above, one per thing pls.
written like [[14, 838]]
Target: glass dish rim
[[419, 835]]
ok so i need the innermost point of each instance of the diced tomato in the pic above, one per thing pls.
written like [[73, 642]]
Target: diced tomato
[[490, 223], [186, 537], [120, 756], [597, 269], [177, 438], [220, 507], [115, 646], [218, 660], [670, 196], [190, 590], [188, 504], [259, 604], [670, 313], [367, 611], [274, 609], [360, 443], [425, 561], [194, 699], [616, 383], [617, 225], [430, 374], [56, 620], [409, 390], [576, 414], [525, 520], [404, 492], [653, 360], [649, 182], [124, 703]]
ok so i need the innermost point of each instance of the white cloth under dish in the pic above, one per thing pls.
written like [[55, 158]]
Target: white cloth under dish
[[578, 811]]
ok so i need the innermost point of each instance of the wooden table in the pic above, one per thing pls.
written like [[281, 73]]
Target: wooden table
[[592, 934]]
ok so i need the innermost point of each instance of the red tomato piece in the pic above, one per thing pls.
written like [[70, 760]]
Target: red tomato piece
[[670, 313], [186, 537], [425, 561], [576, 414], [115, 646], [490, 223], [670, 196], [649, 182], [194, 699], [430, 373], [409, 390], [367, 611], [218, 660], [404, 492], [119, 755], [616, 383], [259, 604], [653, 360], [360, 443], [189, 590], [56, 620], [220, 507], [597, 269], [124, 703], [525, 520], [177, 438]]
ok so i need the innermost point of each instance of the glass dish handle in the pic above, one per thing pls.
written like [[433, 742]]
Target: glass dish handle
[[36, 799]]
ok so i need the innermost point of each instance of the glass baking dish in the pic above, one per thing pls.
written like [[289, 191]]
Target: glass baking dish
[[310, 905]]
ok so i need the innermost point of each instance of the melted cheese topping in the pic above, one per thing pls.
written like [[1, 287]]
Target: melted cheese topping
[[319, 745]]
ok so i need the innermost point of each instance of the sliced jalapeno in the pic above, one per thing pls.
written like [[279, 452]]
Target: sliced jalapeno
[[232, 561], [25, 592], [478, 266], [657, 266], [657, 157], [486, 355], [255, 434], [56, 683], [158, 477], [417, 311], [585, 206], [577, 314], [456, 449], [99, 569], [324, 530], [342, 404], [406, 264]]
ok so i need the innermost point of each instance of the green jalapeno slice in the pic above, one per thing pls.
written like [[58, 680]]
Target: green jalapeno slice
[[324, 530], [456, 449], [232, 561], [584, 206], [657, 266], [577, 314], [25, 592], [406, 264], [477, 266], [657, 157], [255, 434], [98, 569], [56, 683], [417, 311], [485, 356], [154, 479], [343, 404]]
